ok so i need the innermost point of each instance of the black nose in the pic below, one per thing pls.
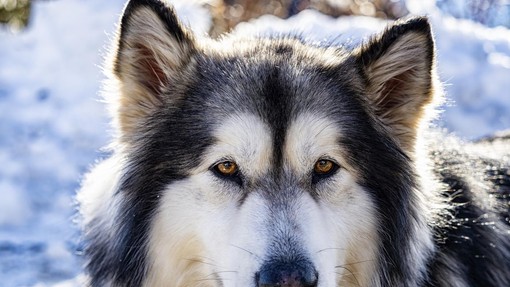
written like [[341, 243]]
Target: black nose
[[287, 274]]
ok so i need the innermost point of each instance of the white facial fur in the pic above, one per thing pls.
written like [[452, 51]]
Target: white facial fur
[[344, 208], [204, 211], [202, 234]]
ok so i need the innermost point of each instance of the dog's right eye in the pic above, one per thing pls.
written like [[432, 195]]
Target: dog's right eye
[[322, 169], [228, 170]]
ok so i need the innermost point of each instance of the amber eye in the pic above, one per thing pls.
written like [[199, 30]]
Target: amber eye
[[226, 168], [323, 166], [323, 169]]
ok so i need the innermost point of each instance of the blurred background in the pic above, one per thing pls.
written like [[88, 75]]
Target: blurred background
[[53, 123]]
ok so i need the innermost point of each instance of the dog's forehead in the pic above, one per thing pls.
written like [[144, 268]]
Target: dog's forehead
[[248, 69], [277, 80]]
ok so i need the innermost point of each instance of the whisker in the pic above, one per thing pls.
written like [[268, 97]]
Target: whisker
[[330, 248], [246, 250], [352, 273], [216, 278], [216, 274], [344, 279], [354, 263], [225, 272], [196, 260]]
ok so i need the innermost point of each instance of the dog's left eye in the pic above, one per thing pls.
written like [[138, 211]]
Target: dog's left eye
[[323, 168], [228, 170]]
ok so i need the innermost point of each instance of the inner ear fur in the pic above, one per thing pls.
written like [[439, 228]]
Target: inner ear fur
[[398, 66], [152, 50]]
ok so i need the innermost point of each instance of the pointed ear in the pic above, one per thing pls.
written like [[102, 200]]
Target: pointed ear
[[398, 66], [152, 50]]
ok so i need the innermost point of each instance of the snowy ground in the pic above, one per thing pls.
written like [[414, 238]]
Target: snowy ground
[[52, 123]]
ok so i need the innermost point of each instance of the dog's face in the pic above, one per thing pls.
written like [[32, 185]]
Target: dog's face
[[256, 162]]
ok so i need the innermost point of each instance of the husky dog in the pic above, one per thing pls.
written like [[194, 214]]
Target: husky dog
[[276, 162]]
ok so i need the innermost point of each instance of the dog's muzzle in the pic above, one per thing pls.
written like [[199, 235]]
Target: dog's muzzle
[[287, 274]]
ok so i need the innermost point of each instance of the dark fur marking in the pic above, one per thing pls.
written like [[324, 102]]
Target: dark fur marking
[[372, 153], [173, 145], [283, 49], [477, 238]]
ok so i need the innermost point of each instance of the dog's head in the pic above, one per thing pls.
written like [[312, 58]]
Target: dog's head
[[263, 162]]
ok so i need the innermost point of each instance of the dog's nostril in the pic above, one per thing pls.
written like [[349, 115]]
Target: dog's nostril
[[287, 275]]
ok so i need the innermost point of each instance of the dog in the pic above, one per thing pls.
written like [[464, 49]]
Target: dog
[[278, 162]]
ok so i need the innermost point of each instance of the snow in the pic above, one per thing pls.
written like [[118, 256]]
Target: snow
[[53, 124]]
